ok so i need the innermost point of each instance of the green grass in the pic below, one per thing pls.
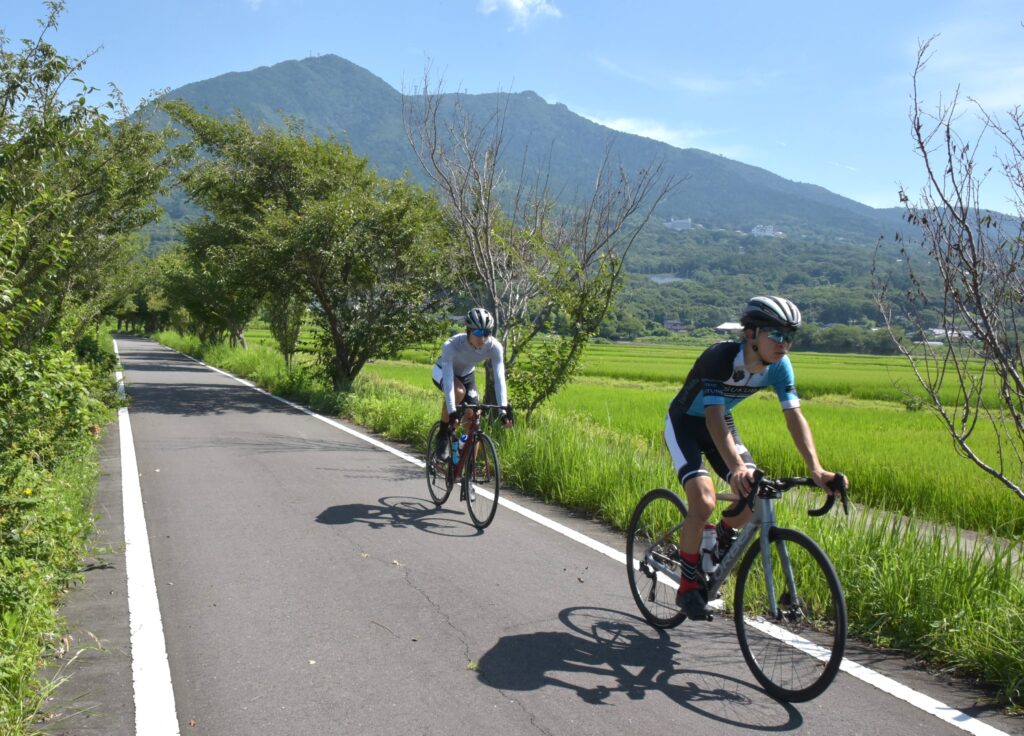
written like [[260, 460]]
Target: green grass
[[45, 521], [897, 460], [596, 447]]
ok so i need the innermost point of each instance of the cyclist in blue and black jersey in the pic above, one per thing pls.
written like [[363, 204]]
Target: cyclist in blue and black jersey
[[455, 372], [700, 425]]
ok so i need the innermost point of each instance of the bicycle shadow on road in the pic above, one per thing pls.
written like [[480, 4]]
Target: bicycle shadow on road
[[398, 512], [607, 652]]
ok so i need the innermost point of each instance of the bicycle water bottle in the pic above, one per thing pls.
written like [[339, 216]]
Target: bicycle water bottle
[[462, 442], [708, 547], [456, 445]]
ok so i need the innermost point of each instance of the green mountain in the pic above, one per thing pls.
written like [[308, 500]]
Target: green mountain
[[333, 96]]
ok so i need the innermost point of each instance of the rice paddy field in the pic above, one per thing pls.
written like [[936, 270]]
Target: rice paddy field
[[897, 458]]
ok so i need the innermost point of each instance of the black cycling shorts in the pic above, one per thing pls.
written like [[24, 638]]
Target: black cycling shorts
[[468, 380], [689, 441]]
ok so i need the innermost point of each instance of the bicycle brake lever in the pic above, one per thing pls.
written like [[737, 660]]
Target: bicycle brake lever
[[840, 480]]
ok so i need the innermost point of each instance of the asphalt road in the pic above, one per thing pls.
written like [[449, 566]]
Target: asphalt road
[[307, 585]]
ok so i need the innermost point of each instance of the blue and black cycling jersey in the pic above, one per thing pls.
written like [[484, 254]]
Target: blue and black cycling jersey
[[718, 377]]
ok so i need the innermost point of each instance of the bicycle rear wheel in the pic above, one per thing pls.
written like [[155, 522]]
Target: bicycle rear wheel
[[653, 536], [480, 481], [796, 653], [439, 471]]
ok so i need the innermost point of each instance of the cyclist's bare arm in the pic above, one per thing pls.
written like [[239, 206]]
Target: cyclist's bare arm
[[800, 431], [740, 478]]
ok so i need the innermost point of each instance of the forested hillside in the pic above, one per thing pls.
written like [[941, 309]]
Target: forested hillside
[[333, 97]]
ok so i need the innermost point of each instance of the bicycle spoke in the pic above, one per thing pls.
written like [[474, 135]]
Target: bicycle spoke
[[481, 480], [438, 470], [652, 557]]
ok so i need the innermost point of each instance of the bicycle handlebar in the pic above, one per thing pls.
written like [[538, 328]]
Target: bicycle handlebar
[[764, 486]]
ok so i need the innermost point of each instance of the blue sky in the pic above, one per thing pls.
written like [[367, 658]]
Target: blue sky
[[816, 92]]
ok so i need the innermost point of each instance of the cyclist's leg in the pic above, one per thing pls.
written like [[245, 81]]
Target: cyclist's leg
[[443, 437], [471, 397], [728, 525], [682, 437]]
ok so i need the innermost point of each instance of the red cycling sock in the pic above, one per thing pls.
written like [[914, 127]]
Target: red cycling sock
[[689, 579]]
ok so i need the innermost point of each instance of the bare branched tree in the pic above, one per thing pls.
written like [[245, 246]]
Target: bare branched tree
[[974, 377], [548, 271]]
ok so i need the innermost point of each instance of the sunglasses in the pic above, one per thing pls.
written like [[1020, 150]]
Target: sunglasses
[[780, 336], [482, 333]]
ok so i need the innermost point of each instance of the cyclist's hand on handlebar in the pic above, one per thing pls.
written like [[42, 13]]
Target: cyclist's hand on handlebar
[[741, 480], [825, 479], [455, 416]]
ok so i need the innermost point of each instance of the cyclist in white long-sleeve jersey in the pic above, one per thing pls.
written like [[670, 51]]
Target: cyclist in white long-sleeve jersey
[[455, 372]]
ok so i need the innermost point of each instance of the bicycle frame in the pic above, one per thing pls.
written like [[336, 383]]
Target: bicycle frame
[[471, 427], [762, 521]]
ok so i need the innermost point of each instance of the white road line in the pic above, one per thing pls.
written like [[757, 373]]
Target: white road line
[[886, 684], [155, 713]]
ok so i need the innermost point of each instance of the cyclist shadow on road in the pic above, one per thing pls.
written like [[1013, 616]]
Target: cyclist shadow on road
[[610, 652], [399, 512]]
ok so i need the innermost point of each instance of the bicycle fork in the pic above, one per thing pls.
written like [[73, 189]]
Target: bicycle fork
[[791, 597]]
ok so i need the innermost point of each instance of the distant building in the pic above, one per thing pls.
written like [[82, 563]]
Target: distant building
[[674, 224], [727, 327], [953, 334], [766, 231], [673, 325]]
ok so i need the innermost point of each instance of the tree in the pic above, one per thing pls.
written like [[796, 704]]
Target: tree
[[979, 258], [73, 186], [292, 214], [285, 314], [533, 262]]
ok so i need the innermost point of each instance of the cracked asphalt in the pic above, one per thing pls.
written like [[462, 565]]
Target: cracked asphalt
[[308, 586]]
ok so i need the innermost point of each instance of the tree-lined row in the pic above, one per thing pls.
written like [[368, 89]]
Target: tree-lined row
[[293, 221], [77, 180]]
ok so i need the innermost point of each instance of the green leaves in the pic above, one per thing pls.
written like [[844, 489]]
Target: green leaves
[[304, 218], [73, 184]]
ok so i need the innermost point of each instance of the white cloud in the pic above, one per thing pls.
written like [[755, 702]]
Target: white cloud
[[523, 11], [690, 83], [254, 4], [678, 137]]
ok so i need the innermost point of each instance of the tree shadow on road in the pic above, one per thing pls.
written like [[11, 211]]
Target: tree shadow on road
[[607, 652], [190, 400], [399, 512]]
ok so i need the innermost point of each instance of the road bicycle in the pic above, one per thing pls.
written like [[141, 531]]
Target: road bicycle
[[476, 469], [788, 605]]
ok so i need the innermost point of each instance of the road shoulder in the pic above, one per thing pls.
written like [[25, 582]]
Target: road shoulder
[[96, 696]]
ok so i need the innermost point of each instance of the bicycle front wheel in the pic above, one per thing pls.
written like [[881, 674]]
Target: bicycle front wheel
[[652, 542], [480, 481], [794, 650], [439, 480]]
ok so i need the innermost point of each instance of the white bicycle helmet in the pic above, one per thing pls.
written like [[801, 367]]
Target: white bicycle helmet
[[479, 319], [771, 311]]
